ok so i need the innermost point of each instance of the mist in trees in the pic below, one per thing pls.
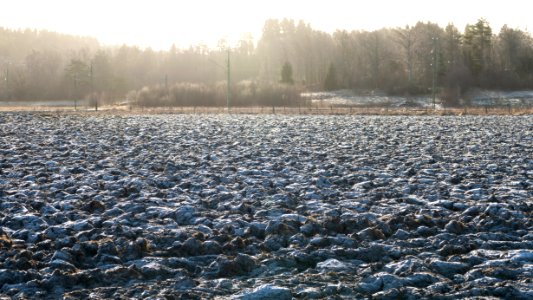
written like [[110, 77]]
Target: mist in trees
[[330, 83], [42, 65]]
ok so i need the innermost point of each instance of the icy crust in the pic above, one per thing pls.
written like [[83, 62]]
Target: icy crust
[[265, 207]]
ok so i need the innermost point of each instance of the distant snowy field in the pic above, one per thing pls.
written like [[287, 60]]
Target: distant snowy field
[[58, 103], [265, 207], [480, 98]]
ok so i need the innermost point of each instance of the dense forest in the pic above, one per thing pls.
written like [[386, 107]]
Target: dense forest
[[42, 65]]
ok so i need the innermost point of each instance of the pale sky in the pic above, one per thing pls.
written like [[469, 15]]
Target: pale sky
[[160, 23]]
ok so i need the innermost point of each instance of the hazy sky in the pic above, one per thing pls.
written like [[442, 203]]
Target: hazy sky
[[159, 23]]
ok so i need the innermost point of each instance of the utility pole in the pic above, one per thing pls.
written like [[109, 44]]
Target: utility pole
[[226, 68], [75, 91], [228, 94], [434, 69], [92, 89], [167, 91], [7, 82]]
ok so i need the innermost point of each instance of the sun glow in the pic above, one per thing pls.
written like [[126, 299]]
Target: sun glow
[[161, 23]]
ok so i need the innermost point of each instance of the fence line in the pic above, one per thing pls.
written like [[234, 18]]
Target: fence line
[[285, 110]]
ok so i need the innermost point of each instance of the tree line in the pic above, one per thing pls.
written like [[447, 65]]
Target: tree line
[[43, 65]]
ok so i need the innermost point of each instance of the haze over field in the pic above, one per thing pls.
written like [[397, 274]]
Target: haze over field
[[161, 23], [170, 53]]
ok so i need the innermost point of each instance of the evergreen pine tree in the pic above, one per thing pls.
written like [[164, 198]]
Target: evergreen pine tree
[[286, 73]]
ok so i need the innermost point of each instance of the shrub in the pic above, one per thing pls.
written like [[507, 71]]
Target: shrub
[[246, 93]]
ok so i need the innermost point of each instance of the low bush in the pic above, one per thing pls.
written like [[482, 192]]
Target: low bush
[[197, 94]]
